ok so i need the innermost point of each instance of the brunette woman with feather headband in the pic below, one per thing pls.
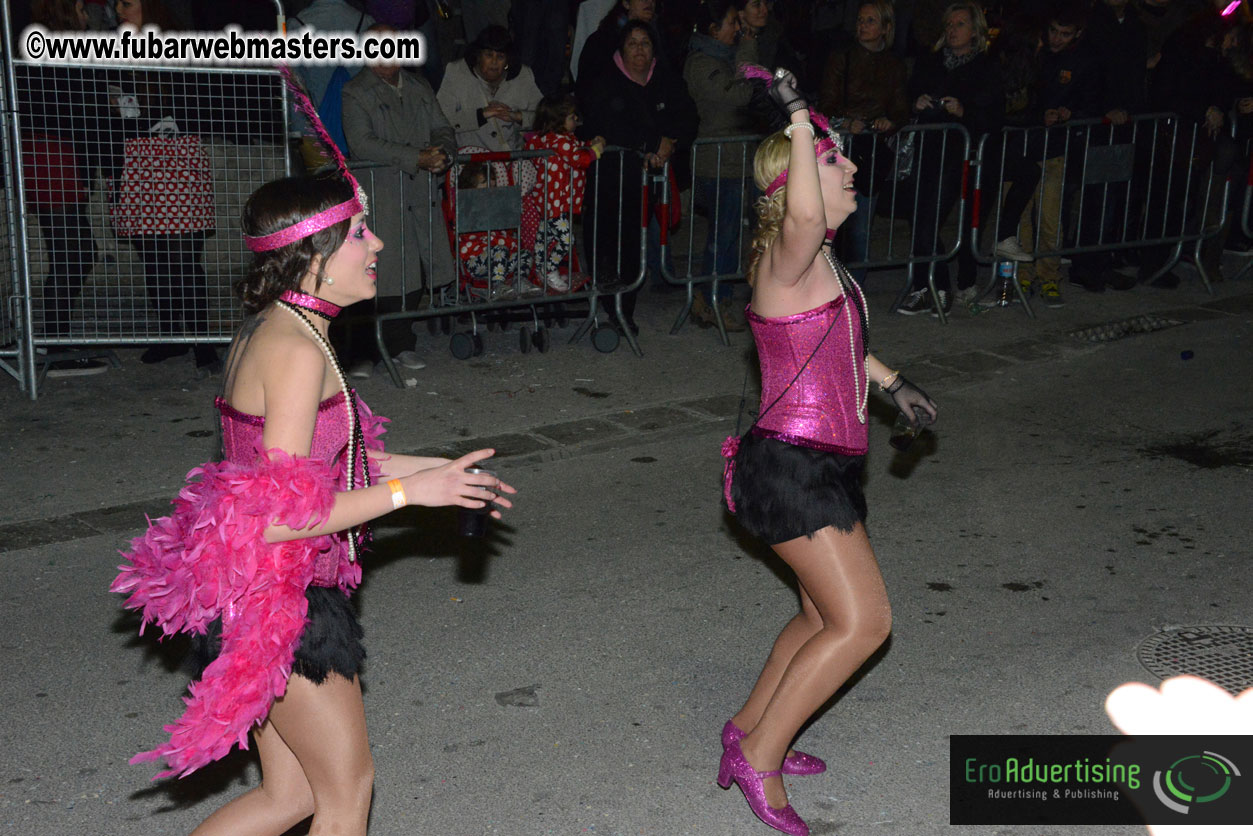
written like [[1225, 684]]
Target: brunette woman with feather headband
[[793, 478], [262, 549]]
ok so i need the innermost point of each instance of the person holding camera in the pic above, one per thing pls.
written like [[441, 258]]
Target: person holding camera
[[959, 84]]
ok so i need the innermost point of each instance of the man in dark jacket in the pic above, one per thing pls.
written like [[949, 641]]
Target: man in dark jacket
[[1118, 36], [1068, 87]]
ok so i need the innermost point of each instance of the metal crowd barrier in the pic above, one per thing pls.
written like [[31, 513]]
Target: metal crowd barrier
[[411, 215], [1106, 188], [724, 195], [927, 188], [95, 259], [1245, 203], [921, 187]]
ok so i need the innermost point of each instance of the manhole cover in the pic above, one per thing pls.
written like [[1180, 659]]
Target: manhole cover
[[1111, 331], [1222, 654]]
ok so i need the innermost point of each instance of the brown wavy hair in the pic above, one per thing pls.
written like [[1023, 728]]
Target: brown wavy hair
[[278, 205]]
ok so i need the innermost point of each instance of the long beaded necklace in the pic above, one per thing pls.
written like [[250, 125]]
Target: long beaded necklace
[[356, 439], [861, 389]]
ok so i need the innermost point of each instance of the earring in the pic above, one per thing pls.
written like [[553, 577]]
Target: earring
[[328, 280]]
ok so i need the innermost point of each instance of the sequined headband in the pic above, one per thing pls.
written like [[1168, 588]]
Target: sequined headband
[[327, 217], [822, 144], [317, 223]]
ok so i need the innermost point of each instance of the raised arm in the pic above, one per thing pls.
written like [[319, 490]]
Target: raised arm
[[804, 220]]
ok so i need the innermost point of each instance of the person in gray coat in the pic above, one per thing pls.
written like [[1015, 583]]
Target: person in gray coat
[[391, 118]]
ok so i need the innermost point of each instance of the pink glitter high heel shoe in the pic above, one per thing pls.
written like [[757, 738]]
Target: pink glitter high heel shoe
[[735, 767], [797, 763]]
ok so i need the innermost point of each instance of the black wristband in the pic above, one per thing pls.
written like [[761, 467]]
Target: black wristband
[[794, 105]]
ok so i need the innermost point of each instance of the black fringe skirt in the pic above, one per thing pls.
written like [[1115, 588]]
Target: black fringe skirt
[[331, 642], [783, 491]]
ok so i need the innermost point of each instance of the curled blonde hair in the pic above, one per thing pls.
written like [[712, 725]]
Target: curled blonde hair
[[771, 160]]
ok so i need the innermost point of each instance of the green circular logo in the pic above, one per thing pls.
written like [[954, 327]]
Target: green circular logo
[[1194, 779]]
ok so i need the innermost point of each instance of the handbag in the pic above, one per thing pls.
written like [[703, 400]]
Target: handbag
[[668, 215], [902, 145], [165, 188], [50, 172]]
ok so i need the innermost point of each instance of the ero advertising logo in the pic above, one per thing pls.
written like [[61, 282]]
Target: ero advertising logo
[[1194, 779], [1098, 779]]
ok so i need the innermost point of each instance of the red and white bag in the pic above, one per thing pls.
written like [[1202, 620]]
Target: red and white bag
[[166, 187]]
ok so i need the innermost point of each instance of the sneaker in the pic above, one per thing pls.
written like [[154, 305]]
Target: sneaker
[[1051, 295], [556, 281], [410, 360], [917, 302], [361, 370], [946, 303], [1027, 287], [1012, 250], [76, 368], [967, 295]]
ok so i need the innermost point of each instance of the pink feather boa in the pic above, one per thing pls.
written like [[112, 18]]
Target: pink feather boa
[[209, 559]]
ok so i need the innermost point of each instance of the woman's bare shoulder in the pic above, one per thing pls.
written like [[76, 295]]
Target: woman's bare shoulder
[[815, 286], [279, 359]]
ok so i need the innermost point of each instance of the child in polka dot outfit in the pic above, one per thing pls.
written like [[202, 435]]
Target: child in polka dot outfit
[[488, 256], [565, 172]]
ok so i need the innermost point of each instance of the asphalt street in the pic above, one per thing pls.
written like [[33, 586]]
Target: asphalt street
[[570, 674]]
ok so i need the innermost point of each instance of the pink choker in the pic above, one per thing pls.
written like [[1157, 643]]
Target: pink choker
[[313, 304]]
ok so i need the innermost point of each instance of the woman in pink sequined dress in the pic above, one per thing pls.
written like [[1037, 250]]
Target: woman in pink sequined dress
[[262, 549], [793, 478]]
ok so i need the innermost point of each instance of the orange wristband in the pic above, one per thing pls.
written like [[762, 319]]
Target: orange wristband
[[398, 494]]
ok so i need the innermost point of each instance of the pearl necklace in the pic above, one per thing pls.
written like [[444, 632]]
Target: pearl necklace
[[860, 390], [356, 439]]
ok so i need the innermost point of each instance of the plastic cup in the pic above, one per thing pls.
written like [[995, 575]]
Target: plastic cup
[[472, 522], [903, 433]]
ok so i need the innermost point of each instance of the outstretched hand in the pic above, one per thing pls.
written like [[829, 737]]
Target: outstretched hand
[[909, 399], [450, 484]]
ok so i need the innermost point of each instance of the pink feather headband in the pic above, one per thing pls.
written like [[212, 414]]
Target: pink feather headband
[[822, 144], [327, 217]]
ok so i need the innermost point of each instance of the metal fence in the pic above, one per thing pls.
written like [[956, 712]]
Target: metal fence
[[908, 192], [483, 247], [1148, 184], [123, 202], [1156, 184]]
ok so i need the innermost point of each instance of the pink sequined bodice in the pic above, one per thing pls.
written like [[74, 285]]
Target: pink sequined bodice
[[242, 444], [820, 409]]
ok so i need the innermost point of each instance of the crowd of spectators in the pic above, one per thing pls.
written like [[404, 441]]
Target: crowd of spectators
[[655, 75]]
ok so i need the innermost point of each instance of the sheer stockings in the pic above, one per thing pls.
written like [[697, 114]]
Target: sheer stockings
[[315, 760], [844, 618]]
